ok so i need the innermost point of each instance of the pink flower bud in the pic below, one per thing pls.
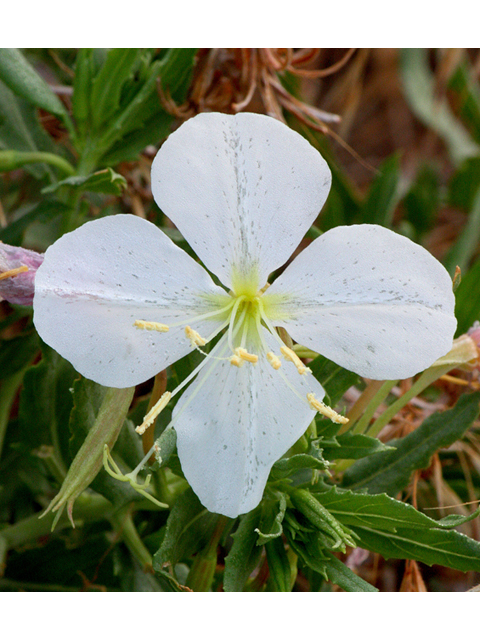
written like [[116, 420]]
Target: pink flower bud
[[17, 273], [474, 333]]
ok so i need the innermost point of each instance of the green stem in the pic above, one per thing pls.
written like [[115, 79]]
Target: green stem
[[362, 425], [426, 379], [361, 404], [14, 159], [89, 508], [8, 392], [123, 522], [201, 574]]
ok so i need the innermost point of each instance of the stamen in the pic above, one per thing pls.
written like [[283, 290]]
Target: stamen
[[291, 356], [151, 326], [233, 315], [326, 411], [194, 337], [154, 412], [205, 316], [244, 355], [274, 360], [236, 361], [112, 469], [13, 272]]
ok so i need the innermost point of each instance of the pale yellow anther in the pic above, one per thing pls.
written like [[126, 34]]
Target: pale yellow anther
[[151, 326], [13, 272], [326, 411], [236, 361], [244, 355], [194, 337], [154, 412], [274, 360], [291, 356]]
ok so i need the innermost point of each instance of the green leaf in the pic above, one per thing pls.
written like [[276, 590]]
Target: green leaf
[[44, 211], [130, 117], [467, 243], [334, 534], [152, 131], [344, 577], [430, 546], [46, 402], [353, 446], [312, 554], [104, 181], [82, 83], [189, 527], [16, 353], [383, 195], [464, 83], [175, 71], [463, 187], [380, 512], [390, 471], [107, 86], [18, 74], [397, 530], [280, 573], [244, 554], [273, 513], [20, 129], [422, 201], [419, 87], [311, 459], [456, 520]]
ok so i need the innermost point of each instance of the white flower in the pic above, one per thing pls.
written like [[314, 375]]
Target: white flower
[[122, 302]]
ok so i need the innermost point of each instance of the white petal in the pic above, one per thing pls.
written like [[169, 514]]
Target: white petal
[[96, 281], [243, 190], [233, 424], [370, 300]]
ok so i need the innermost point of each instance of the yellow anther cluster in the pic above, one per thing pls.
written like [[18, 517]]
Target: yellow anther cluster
[[236, 361], [151, 326], [244, 355], [291, 356], [326, 411], [241, 355], [194, 337], [274, 360], [154, 412]]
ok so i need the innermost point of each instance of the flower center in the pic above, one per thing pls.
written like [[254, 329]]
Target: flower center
[[245, 319]]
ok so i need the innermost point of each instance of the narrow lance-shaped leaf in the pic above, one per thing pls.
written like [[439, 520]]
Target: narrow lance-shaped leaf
[[448, 548], [390, 471], [22, 78], [338, 573], [107, 85]]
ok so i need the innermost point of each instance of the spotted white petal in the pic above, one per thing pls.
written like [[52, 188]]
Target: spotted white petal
[[243, 190], [95, 282], [233, 423], [368, 299]]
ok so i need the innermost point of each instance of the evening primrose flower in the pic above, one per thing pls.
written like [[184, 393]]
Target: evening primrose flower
[[122, 302]]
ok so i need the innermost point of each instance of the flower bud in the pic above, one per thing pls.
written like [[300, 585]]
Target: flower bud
[[18, 267], [89, 459]]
